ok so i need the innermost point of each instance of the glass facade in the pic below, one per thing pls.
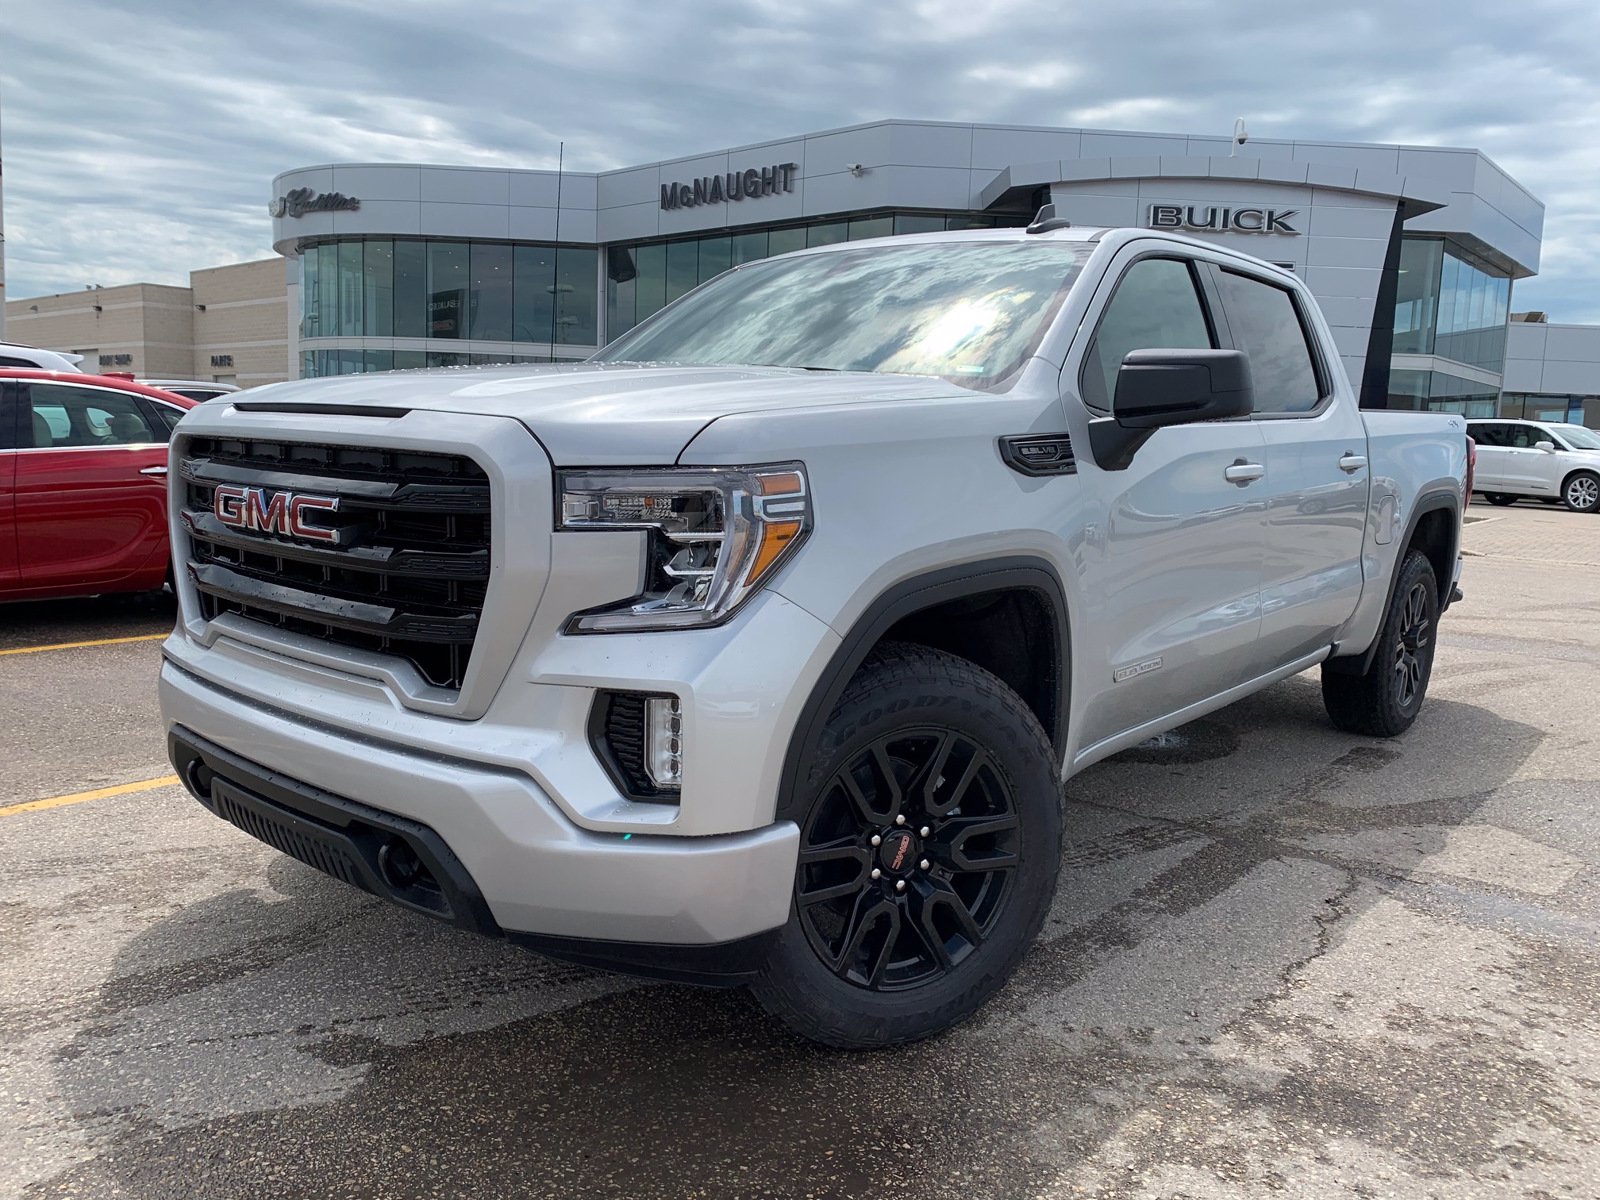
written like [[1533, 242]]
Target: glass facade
[[1450, 303], [444, 291], [1440, 391], [1568, 410], [643, 277]]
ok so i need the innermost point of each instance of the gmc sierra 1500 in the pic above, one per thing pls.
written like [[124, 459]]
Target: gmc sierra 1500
[[757, 649]]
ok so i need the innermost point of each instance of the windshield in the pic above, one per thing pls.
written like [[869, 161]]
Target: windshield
[[968, 311], [1578, 437]]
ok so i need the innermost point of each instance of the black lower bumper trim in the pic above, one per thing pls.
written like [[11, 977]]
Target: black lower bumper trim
[[721, 964], [408, 863]]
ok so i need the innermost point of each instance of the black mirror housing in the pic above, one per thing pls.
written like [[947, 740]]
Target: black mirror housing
[[1159, 388]]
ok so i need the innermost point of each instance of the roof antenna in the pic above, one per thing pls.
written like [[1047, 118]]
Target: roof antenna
[[1047, 220], [1240, 137]]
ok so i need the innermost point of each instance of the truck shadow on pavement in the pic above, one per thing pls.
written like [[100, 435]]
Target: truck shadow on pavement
[[1248, 972]]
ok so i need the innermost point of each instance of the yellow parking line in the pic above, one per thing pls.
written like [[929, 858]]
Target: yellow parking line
[[143, 637], [122, 789]]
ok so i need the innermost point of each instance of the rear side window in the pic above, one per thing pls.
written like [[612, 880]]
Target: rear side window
[[77, 417], [1155, 307], [1266, 325], [1491, 434]]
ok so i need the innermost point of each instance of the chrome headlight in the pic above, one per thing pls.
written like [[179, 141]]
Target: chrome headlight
[[714, 535]]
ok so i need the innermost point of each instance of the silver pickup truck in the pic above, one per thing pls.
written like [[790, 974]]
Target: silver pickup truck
[[757, 649]]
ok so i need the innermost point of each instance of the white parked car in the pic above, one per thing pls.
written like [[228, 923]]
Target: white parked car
[[1541, 460], [13, 355]]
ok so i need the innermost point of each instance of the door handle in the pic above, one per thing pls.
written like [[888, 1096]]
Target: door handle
[[152, 470], [1242, 472], [1351, 463]]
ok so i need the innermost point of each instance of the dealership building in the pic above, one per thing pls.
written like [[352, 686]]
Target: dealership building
[[1413, 251]]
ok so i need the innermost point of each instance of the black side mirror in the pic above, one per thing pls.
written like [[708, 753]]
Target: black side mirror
[[1158, 388]]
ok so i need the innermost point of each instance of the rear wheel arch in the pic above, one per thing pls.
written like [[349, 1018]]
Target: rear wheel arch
[[992, 613], [1435, 529]]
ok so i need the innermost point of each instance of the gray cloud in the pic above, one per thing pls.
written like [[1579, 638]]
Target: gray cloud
[[139, 140]]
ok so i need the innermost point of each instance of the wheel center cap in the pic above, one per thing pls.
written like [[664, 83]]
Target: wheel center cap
[[898, 851]]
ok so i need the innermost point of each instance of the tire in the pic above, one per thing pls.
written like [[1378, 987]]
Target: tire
[[1581, 491], [1385, 700], [923, 735], [1499, 498]]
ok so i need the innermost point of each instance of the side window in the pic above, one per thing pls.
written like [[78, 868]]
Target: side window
[[7, 361], [1522, 437], [75, 417], [1489, 434], [8, 416], [167, 416], [1154, 307], [1266, 325]]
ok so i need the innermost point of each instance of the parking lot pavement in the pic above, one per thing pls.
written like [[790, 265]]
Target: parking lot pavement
[[1283, 961]]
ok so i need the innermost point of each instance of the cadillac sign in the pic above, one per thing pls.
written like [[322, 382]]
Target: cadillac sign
[[1211, 219], [303, 201], [733, 185]]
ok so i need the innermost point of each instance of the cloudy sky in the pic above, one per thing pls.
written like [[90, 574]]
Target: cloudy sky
[[139, 139]]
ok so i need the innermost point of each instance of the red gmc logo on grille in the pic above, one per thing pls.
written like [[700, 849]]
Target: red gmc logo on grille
[[274, 512]]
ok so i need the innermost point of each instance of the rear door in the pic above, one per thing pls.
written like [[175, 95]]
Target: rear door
[[90, 490], [1317, 479], [8, 485], [1530, 471]]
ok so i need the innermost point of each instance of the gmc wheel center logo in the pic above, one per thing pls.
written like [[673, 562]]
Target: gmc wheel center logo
[[257, 509]]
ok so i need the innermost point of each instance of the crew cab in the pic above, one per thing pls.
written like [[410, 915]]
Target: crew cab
[[757, 649], [83, 484], [1539, 460]]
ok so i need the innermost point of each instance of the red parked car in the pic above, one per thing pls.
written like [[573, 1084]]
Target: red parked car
[[83, 484]]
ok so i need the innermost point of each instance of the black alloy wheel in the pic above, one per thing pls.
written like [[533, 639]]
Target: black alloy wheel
[[928, 822], [1383, 700], [1411, 647], [907, 860]]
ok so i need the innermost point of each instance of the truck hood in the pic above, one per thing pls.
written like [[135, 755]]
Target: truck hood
[[606, 413]]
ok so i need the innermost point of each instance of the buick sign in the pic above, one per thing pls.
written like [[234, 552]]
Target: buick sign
[[1212, 219]]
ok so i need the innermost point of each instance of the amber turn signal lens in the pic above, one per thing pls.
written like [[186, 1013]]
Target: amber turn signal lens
[[775, 539]]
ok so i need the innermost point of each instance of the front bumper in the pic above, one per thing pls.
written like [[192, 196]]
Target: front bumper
[[532, 871]]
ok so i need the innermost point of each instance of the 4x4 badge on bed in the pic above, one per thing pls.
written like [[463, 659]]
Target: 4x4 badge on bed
[[274, 512]]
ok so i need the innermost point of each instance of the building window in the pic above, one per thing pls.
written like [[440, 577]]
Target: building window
[[1439, 391], [415, 288], [1450, 303]]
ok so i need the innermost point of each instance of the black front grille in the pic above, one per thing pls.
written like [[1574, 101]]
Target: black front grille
[[406, 577]]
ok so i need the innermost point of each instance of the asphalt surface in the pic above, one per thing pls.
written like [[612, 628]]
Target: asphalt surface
[[1284, 962]]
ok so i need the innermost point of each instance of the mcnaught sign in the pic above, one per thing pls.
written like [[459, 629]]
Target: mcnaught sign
[[733, 185], [1223, 220]]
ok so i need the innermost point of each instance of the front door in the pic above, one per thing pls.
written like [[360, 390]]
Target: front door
[[90, 489], [1171, 570], [1317, 474]]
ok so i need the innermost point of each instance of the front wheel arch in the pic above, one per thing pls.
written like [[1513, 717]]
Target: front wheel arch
[[920, 594]]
